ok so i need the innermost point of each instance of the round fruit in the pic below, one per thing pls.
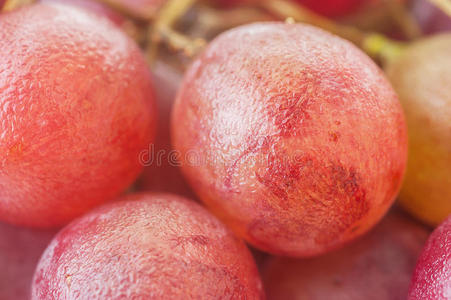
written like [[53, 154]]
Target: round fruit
[[291, 135], [379, 266], [422, 76], [329, 8], [76, 109], [20, 249], [147, 247], [431, 18], [432, 277]]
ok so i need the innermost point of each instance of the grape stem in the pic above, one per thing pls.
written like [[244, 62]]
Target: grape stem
[[375, 45], [180, 42], [444, 5], [162, 31]]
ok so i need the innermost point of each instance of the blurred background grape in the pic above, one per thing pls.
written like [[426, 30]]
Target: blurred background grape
[[431, 18]]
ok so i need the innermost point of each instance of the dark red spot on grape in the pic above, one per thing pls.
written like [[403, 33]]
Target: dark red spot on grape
[[332, 196], [333, 136], [292, 114]]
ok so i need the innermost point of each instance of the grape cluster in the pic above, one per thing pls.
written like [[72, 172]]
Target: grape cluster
[[177, 149]]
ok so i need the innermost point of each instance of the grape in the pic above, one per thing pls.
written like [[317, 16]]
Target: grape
[[20, 249], [379, 266], [430, 17], [333, 8], [422, 76], [76, 109], [291, 135], [149, 246], [432, 277], [329, 8]]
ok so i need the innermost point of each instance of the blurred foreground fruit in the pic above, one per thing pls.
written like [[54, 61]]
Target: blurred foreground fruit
[[422, 76], [20, 249], [149, 246], [290, 135], [378, 266], [76, 109], [432, 278]]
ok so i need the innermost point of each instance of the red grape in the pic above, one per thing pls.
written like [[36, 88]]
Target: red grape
[[431, 18], [76, 109], [379, 266], [150, 246], [329, 8], [432, 277], [333, 8], [291, 135]]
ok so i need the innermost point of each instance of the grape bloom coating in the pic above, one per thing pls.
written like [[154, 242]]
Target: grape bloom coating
[[292, 136], [148, 246], [76, 109]]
